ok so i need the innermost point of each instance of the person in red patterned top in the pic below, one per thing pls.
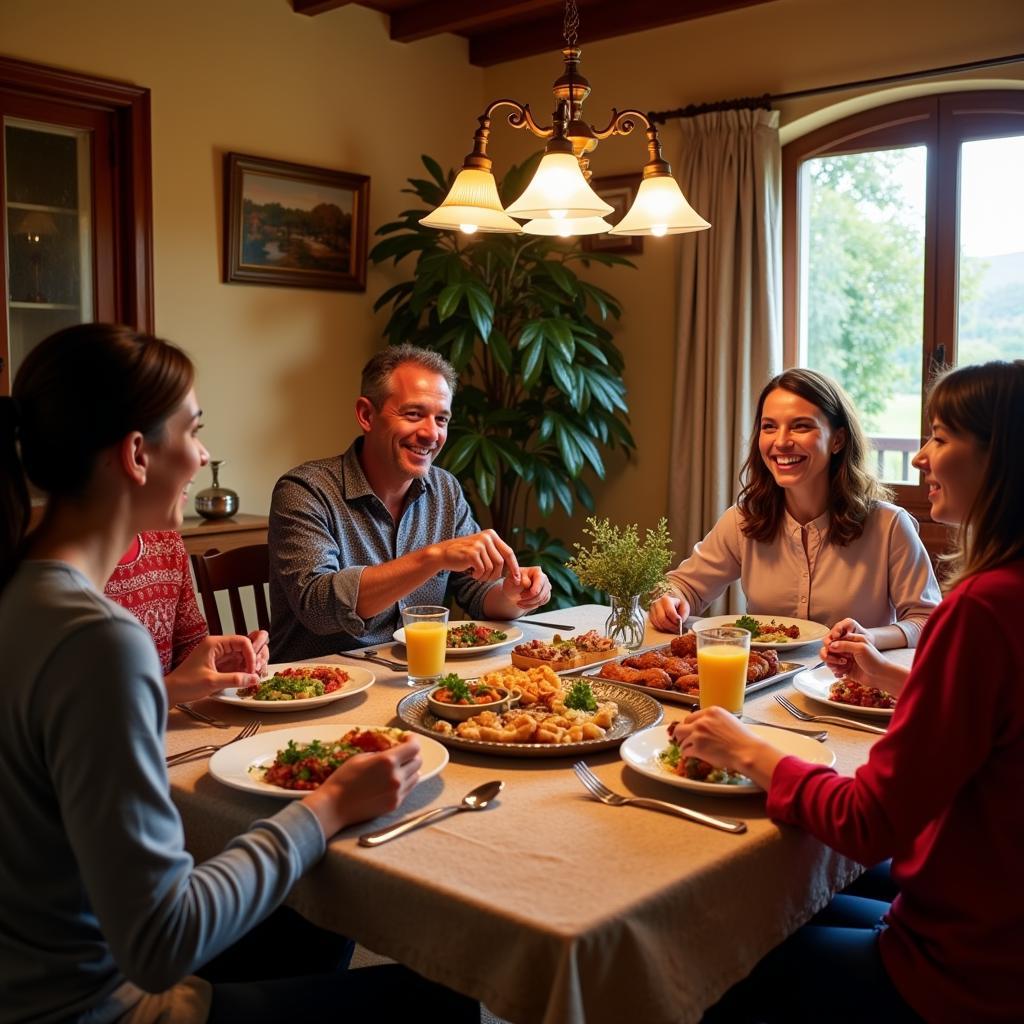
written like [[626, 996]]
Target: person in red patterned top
[[153, 582], [940, 792]]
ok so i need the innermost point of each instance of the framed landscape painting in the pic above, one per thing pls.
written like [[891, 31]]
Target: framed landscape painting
[[618, 190], [289, 224]]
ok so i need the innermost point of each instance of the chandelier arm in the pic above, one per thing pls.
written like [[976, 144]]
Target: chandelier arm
[[520, 117], [622, 123]]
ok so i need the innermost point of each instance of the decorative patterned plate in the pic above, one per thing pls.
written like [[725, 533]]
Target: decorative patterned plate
[[636, 711]]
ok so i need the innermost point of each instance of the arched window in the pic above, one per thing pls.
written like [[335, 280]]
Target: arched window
[[903, 244]]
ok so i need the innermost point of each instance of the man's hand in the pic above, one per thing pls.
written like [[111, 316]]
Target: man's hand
[[532, 590], [216, 662], [483, 555]]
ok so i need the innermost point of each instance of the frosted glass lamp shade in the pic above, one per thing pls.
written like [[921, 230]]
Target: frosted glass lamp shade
[[566, 227], [660, 208], [558, 191], [471, 205]]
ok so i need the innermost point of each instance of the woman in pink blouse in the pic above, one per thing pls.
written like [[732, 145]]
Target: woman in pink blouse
[[810, 535], [940, 792]]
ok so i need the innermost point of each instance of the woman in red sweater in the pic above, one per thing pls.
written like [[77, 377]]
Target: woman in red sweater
[[940, 792]]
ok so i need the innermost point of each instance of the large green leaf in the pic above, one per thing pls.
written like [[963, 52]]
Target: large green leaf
[[448, 300], [458, 455]]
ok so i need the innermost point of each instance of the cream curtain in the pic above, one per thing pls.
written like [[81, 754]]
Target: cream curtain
[[730, 313]]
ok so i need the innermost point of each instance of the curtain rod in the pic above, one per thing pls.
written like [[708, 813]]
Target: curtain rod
[[765, 101]]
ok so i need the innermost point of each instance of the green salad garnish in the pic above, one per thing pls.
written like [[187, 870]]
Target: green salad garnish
[[749, 623], [456, 686], [581, 697], [288, 688]]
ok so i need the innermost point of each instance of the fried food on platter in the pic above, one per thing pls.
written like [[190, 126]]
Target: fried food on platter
[[538, 685], [656, 678], [684, 646]]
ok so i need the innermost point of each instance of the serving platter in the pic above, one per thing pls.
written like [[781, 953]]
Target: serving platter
[[641, 750], [239, 765], [636, 711], [359, 679]]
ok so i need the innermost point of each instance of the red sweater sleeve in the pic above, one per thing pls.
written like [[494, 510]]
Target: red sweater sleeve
[[189, 625], [942, 731]]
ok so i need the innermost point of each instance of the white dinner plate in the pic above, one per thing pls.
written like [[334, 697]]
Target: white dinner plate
[[810, 632], [640, 752], [816, 685], [233, 765], [359, 679], [512, 635]]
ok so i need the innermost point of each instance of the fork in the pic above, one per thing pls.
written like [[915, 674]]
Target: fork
[[598, 789], [249, 729], [849, 723], [199, 716], [815, 734]]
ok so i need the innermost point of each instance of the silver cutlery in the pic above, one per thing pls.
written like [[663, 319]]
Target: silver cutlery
[[373, 656], [598, 789], [548, 625], [200, 717], [815, 734], [475, 800], [182, 756], [848, 723]]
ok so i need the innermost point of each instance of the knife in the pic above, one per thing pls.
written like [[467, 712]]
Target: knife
[[376, 659], [549, 625]]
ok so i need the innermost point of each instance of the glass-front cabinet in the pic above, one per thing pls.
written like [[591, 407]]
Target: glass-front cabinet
[[75, 199], [48, 212]]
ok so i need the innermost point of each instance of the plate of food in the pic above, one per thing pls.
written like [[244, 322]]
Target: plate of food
[[288, 763], [473, 637], [844, 695], [780, 633], [566, 654], [298, 686], [555, 717], [653, 754], [670, 672]]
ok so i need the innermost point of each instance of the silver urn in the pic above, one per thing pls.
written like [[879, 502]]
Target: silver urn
[[216, 502]]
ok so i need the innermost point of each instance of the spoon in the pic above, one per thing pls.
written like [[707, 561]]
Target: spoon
[[475, 800]]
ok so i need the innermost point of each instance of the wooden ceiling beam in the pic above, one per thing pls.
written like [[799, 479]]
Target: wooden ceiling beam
[[597, 21], [315, 7], [466, 18]]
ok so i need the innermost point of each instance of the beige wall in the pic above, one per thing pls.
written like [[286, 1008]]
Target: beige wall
[[278, 366], [777, 47]]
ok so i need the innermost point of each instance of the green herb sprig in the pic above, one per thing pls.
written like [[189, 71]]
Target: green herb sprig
[[581, 697], [750, 624], [456, 686], [622, 565]]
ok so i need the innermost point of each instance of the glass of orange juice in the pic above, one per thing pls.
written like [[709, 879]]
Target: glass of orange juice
[[426, 637], [722, 654]]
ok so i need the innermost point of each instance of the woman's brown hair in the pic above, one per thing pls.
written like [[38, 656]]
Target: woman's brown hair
[[76, 393], [986, 403], [853, 487]]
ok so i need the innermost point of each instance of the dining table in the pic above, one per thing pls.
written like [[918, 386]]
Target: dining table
[[548, 906]]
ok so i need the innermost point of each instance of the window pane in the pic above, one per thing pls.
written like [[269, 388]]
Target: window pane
[[990, 310], [862, 289]]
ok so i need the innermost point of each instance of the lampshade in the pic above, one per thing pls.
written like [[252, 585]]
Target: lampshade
[[566, 227], [471, 205], [559, 191], [660, 208]]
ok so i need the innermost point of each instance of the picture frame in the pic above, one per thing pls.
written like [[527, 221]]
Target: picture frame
[[294, 225], [619, 191]]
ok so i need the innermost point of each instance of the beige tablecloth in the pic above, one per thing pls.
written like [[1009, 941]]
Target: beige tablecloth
[[549, 906]]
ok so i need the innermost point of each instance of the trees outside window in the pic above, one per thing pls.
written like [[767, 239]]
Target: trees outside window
[[904, 252]]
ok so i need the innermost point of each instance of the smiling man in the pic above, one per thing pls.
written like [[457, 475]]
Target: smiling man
[[356, 537]]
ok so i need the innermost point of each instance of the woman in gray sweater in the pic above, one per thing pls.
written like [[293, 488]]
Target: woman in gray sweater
[[103, 914]]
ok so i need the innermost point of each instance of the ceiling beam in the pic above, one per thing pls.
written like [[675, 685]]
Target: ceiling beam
[[603, 20], [428, 19], [315, 7]]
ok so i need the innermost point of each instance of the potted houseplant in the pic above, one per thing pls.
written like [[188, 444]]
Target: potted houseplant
[[541, 396], [629, 570]]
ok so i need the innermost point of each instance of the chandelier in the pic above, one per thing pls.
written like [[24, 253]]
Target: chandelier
[[559, 200]]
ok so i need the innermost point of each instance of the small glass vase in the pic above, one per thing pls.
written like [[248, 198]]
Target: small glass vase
[[216, 502], [626, 623]]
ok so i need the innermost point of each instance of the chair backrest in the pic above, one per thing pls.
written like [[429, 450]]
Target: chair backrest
[[230, 570]]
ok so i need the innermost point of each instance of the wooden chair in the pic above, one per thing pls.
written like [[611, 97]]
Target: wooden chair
[[231, 570]]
